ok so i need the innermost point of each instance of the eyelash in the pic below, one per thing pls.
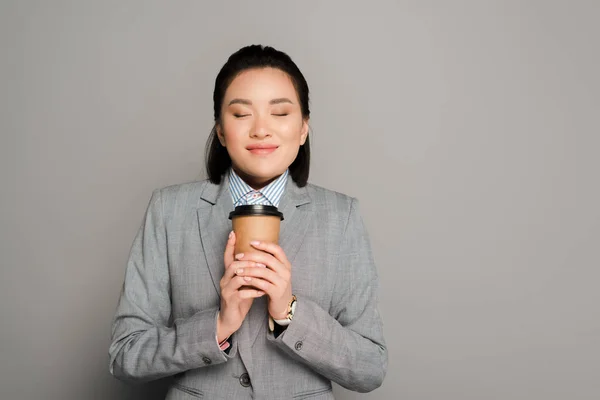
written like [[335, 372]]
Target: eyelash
[[245, 115]]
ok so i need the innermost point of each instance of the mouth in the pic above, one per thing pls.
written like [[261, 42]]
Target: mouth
[[262, 149]]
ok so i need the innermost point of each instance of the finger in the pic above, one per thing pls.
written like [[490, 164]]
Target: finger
[[262, 258], [234, 267], [250, 293], [273, 249], [241, 283], [257, 283], [235, 284], [229, 249], [262, 273]]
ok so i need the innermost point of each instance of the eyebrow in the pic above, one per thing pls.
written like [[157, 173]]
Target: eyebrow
[[249, 103], [281, 100]]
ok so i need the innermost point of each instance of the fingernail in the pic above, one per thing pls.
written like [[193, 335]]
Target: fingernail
[[255, 243], [238, 256], [239, 271], [261, 265], [247, 278], [230, 234]]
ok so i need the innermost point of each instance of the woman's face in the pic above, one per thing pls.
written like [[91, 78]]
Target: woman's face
[[261, 125]]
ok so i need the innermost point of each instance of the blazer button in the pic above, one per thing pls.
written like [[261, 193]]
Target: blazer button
[[245, 380], [298, 345], [206, 360]]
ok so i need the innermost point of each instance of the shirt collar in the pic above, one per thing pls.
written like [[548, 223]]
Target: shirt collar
[[272, 192]]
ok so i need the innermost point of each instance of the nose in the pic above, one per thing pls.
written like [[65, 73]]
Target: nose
[[259, 129]]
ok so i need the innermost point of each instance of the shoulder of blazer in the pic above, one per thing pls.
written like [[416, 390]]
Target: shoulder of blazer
[[324, 196], [182, 196], [332, 206]]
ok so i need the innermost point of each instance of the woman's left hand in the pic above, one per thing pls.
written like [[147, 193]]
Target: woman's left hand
[[275, 280]]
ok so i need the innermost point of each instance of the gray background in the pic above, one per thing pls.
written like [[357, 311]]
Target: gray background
[[469, 131]]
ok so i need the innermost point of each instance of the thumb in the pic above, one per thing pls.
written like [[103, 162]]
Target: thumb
[[229, 250]]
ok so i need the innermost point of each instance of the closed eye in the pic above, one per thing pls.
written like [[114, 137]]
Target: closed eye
[[240, 115], [280, 115]]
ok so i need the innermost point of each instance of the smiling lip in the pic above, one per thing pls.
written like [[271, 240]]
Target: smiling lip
[[261, 149]]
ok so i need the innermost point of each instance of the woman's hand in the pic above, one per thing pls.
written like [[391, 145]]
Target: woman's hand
[[275, 280], [235, 300]]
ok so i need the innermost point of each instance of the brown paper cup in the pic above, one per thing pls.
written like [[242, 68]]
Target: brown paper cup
[[255, 222]]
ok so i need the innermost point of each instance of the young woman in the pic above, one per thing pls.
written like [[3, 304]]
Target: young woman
[[192, 309]]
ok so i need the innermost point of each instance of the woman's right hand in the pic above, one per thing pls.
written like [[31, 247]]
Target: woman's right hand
[[235, 302]]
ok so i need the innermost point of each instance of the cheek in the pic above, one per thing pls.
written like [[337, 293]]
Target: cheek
[[291, 131], [233, 131]]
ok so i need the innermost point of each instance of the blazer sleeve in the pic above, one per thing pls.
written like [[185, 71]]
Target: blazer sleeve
[[346, 343], [145, 343]]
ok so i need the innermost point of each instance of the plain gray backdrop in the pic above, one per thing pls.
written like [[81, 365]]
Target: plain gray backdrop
[[468, 129]]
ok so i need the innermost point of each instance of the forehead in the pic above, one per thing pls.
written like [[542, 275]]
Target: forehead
[[261, 84]]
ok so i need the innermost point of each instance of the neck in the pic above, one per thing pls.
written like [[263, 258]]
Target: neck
[[254, 182]]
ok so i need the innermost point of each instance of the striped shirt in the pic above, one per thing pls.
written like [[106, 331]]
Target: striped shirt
[[243, 194]]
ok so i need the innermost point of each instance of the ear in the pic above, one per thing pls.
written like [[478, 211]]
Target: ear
[[220, 134], [304, 131]]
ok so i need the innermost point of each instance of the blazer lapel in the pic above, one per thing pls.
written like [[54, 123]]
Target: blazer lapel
[[295, 206], [214, 225]]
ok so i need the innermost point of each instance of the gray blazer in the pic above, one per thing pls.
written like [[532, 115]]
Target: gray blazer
[[165, 323]]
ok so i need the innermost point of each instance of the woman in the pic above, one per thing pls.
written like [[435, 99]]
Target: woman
[[192, 309]]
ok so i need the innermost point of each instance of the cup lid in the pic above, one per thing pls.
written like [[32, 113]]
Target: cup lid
[[255, 209]]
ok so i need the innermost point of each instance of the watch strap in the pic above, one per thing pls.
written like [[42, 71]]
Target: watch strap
[[288, 319]]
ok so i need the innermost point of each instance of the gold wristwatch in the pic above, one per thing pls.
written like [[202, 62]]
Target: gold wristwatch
[[286, 321]]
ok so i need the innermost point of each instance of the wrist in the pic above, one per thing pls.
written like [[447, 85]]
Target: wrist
[[285, 310], [287, 318], [223, 331]]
